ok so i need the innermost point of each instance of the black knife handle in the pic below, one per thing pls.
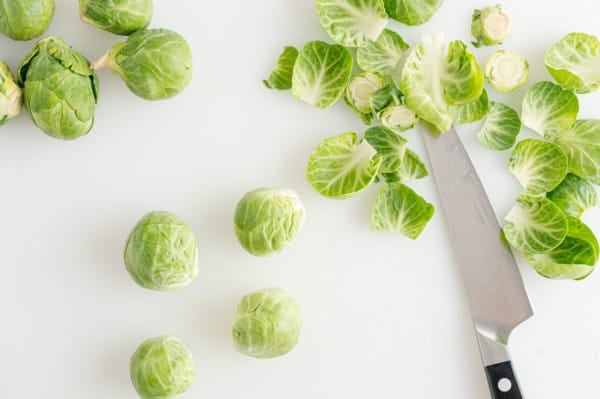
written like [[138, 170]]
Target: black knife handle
[[502, 381]]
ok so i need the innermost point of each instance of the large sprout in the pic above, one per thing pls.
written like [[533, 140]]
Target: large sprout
[[267, 219], [161, 368], [122, 17], [267, 324], [490, 26], [11, 95], [161, 252], [25, 19]]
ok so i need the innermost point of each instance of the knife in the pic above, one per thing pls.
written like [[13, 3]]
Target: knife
[[494, 287]]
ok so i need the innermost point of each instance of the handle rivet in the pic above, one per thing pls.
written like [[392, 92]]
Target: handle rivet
[[504, 385]]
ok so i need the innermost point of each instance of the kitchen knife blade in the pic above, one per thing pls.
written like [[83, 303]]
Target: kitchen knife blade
[[494, 287]]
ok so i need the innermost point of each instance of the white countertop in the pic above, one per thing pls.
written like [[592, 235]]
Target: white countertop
[[384, 317]]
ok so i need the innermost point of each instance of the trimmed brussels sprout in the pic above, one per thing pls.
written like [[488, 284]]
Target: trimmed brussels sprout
[[11, 95], [535, 225], [388, 104], [582, 145], [433, 81], [60, 90], [341, 167], [161, 368], [161, 252], [411, 168], [506, 71], [321, 73], [383, 55], [389, 145], [399, 209], [25, 19], [281, 76], [412, 12], [154, 63], [352, 23], [501, 127], [490, 26], [267, 219], [121, 17], [575, 62], [549, 110], [574, 195], [267, 324], [358, 94], [573, 259], [538, 165], [471, 112]]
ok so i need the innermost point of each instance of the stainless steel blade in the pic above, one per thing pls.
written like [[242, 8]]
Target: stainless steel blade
[[494, 287]]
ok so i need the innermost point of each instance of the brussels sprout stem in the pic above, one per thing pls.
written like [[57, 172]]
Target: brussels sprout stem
[[102, 62]]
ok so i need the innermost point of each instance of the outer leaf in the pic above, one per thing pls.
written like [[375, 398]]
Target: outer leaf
[[411, 168], [321, 73], [549, 110], [281, 76], [574, 195], [463, 79], [389, 145], [352, 23], [385, 96], [412, 12], [383, 55], [473, 111], [538, 165], [582, 145], [501, 127], [535, 225], [340, 167], [575, 62]]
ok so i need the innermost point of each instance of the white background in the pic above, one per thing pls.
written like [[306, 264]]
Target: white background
[[384, 317]]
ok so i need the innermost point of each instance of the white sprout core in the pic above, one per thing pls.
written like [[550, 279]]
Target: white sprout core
[[361, 88], [506, 70], [11, 104], [497, 25], [399, 116], [433, 56]]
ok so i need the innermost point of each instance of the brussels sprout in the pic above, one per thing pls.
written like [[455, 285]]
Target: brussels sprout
[[281, 76], [321, 73], [268, 219], [471, 112], [161, 252], [575, 62], [538, 165], [352, 23], [399, 209], [60, 90], [412, 12], [574, 195], [398, 117], [582, 145], [389, 145], [358, 94], [490, 26], [161, 368], [383, 55], [121, 17], [267, 324], [154, 63], [411, 168], [11, 95], [549, 110], [341, 167], [501, 127], [25, 19], [506, 71]]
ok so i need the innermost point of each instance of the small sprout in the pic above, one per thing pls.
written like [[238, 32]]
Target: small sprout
[[358, 93], [25, 19], [574, 195], [281, 76], [383, 55], [490, 26], [412, 12], [161, 368], [11, 95], [501, 127], [267, 219], [582, 145], [506, 71], [473, 111], [161, 252], [121, 17], [154, 63], [267, 324]]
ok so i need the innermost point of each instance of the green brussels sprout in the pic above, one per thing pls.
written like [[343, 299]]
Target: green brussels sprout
[[267, 324], [60, 89], [266, 220], [161, 368], [490, 26], [154, 63], [161, 252], [11, 95], [121, 17], [25, 19]]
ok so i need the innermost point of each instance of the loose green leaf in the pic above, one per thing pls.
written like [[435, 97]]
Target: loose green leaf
[[411, 168], [538, 165], [490, 26], [25, 19], [574, 195], [389, 145], [549, 110], [399, 209], [471, 112], [383, 55], [501, 127], [412, 12], [506, 71], [582, 145], [341, 167], [281, 76], [121, 17], [389, 94]]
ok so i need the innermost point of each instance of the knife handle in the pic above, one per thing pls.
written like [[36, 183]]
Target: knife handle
[[502, 381]]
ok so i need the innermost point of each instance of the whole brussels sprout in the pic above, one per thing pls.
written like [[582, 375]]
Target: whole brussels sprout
[[267, 324], [268, 219], [161, 368], [25, 19], [161, 252], [121, 17], [60, 89], [11, 96], [154, 63]]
